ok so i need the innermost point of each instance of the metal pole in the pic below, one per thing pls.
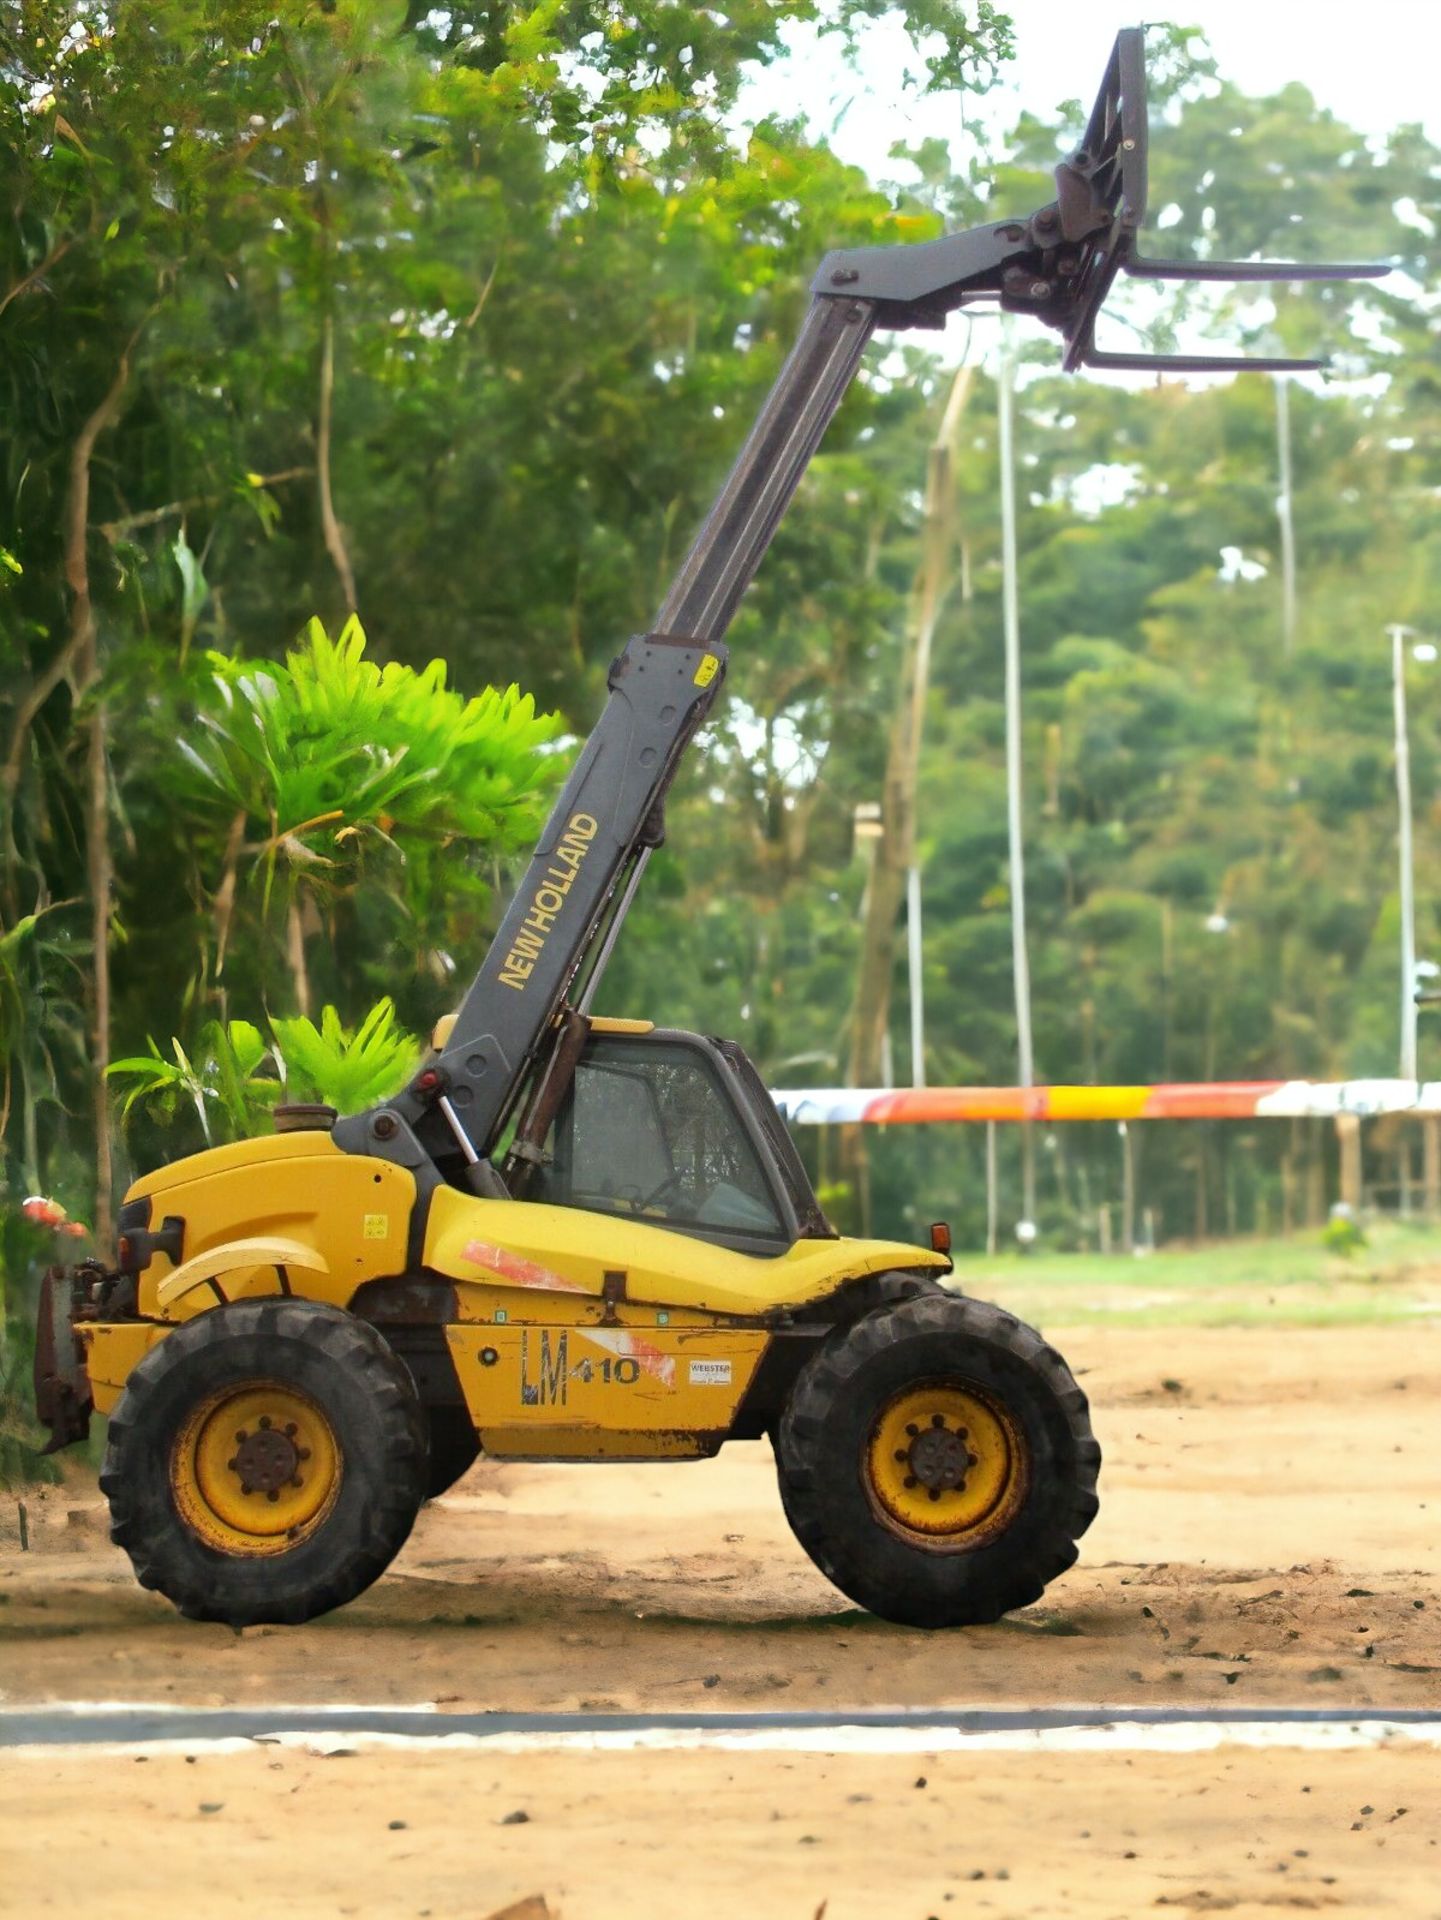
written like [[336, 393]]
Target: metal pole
[[1128, 1190], [1399, 635], [1011, 618], [913, 955], [1284, 515], [992, 1198]]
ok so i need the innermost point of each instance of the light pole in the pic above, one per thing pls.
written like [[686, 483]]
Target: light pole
[[1399, 635], [1011, 623]]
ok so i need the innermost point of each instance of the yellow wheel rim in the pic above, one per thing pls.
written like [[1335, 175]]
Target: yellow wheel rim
[[255, 1469], [946, 1466]]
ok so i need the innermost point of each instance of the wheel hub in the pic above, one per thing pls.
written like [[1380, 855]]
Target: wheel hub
[[945, 1465], [267, 1458], [938, 1457], [255, 1468]]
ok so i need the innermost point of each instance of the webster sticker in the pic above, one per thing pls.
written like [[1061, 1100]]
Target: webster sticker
[[710, 1373]]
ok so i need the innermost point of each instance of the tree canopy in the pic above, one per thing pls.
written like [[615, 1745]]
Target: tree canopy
[[448, 321]]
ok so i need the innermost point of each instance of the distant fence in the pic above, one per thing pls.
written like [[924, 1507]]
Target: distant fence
[[1368, 1167]]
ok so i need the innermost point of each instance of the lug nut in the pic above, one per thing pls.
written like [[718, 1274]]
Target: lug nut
[[938, 1419], [274, 1494], [292, 1429], [265, 1421], [302, 1453]]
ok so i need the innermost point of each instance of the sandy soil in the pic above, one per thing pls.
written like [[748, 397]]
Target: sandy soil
[[1268, 1533], [704, 1836]]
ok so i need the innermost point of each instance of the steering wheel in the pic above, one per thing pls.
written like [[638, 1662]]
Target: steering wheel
[[632, 1197]]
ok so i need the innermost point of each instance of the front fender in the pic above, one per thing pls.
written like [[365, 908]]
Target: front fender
[[260, 1250]]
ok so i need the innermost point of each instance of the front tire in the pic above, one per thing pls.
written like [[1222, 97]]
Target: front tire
[[936, 1461], [266, 1462]]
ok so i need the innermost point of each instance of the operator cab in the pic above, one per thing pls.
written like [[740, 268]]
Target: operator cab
[[677, 1130]]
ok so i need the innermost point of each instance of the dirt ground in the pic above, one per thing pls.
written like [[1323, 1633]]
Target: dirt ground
[[1267, 1536], [704, 1836], [1268, 1533]]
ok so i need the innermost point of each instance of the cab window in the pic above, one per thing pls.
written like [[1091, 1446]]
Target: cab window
[[648, 1131]]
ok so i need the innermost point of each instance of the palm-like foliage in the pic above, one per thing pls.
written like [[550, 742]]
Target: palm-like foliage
[[235, 1077], [220, 1079], [305, 769], [330, 746], [348, 1068], [42, 1023]]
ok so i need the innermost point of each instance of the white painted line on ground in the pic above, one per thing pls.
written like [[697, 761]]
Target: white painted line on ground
[[15, 1710], [1179, 1737]]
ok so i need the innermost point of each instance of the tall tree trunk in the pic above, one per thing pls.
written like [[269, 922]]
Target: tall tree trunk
[[334, 539], [81, 653], [295, 953], [895, 849], [100, 871]]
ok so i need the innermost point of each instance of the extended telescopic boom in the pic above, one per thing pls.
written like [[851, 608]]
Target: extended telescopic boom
[[522, 1022]]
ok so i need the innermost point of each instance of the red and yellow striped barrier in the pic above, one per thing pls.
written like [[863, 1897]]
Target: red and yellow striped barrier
[[1196, 1100]]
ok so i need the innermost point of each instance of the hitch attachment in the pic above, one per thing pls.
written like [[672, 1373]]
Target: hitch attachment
[[62, 1387]]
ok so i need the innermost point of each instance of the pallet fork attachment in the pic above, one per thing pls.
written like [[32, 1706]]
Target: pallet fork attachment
[[514, 1042], [1059, 264]]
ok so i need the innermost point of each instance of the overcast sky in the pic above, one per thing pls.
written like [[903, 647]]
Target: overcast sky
[[1374, 65], [1375, 80]]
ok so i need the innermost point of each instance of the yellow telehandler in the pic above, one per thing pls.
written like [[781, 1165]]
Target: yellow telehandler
[[576, 1238]]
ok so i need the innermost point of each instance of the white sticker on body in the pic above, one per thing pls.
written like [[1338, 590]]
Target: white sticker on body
[[710, 1373]]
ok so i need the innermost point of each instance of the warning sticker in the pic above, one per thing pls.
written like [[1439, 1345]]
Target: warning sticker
[[710, 1373], [377, 1226]]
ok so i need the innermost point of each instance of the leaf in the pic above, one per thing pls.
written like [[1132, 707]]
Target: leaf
[[347, 1069]]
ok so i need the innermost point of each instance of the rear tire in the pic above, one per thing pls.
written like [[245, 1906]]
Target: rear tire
[[266, 1462], [936, 1461]]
